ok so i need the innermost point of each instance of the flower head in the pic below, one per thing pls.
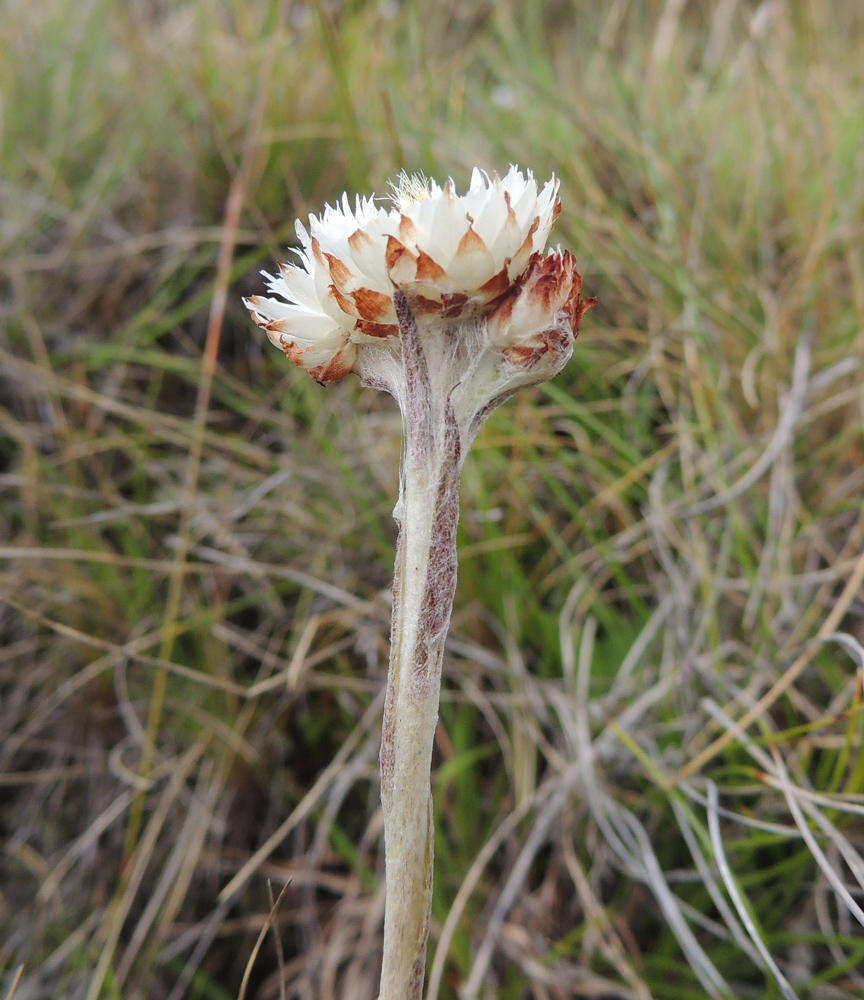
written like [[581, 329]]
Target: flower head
[[460, 260]]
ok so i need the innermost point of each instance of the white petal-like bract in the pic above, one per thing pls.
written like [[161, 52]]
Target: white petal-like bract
[[457, 258]]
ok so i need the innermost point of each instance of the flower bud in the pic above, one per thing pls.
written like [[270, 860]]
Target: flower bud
[[541, 311]]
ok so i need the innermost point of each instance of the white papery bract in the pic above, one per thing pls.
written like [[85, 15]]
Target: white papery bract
[[456, 258]]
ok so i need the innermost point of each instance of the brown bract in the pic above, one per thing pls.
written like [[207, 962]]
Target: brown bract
[[273, 327], [339, 272], [373, 305], [498, 284], [337, 368], [373, 329], [527, 355], [542, 309], [343, 301]]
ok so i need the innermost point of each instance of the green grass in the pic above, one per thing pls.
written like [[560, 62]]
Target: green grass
[[713, 187]]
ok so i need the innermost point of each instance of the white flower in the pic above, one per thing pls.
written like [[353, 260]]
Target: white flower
[[457, 258]]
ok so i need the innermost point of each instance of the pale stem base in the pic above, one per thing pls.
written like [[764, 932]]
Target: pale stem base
[[423, 588]]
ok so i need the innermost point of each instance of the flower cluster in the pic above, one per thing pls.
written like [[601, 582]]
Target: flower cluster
[[458, 259]]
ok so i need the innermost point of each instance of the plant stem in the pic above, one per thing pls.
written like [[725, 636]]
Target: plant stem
[[423, 588]]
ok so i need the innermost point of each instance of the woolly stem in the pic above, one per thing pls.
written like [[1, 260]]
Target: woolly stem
[[423, 588]]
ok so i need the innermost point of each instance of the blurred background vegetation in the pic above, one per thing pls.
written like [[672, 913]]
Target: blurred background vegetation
[[649, 774]]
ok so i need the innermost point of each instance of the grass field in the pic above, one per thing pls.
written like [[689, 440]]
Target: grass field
[[649, 779]]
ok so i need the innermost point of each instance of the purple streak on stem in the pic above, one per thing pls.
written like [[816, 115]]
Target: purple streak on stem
[[418, 415]]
